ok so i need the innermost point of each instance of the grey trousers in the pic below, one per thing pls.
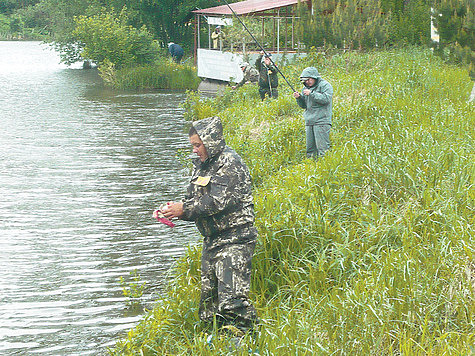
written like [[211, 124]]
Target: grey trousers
[[318, 139]]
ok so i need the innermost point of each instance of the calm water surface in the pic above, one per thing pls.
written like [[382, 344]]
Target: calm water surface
[[81, 169]]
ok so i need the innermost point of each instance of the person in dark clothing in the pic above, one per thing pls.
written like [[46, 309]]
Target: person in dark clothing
[[219, 201], [268, 79], [175, 51]]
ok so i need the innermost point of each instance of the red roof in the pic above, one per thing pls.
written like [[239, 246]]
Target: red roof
[[247, 7]]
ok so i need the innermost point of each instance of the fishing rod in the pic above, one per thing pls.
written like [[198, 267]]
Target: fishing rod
[[262, 48]]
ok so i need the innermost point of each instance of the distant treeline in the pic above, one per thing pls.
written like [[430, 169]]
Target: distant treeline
[[353, 24]]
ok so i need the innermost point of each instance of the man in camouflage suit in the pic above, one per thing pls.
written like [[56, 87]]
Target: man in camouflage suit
[[249, 75], [268, 79], [219, 201]]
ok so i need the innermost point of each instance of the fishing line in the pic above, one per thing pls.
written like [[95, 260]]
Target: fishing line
[[257, 42]]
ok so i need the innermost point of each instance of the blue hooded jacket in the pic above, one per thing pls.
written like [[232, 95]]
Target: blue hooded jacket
[[317, 105]]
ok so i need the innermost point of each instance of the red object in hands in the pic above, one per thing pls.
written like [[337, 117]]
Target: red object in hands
[[157, 214]]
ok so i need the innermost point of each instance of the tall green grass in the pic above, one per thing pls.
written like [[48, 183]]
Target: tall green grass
[[163, 74], [367, 251]]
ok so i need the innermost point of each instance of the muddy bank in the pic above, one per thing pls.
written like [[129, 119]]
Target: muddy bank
[[212, 87]]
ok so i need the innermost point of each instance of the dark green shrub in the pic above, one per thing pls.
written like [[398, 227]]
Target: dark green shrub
[[107, 37]]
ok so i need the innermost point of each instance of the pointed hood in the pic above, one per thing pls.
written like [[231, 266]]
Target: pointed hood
[[210, 131], [310, 72]]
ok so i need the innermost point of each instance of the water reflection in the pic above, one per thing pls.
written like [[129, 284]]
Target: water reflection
[[81, 169]]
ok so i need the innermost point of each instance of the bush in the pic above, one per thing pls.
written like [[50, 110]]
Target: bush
[[105, 37], [163, 74]]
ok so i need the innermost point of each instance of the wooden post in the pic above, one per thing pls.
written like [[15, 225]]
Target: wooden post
[[195, 46], [278, 31], [209, 36], [273, 37], [198, 30], [286, 30], [262, 35], [293, 39]]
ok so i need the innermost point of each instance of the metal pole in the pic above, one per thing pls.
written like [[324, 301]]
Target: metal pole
[[209, 36], [278, 31], [262, 48]]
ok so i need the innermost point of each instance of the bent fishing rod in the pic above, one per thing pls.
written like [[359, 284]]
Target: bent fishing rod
[[260, 46]]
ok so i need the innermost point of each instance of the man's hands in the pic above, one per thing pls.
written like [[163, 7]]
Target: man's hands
[[305, 92], [172, 210]]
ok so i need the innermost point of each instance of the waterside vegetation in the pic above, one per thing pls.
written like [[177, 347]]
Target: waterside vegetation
[[367, 251], [127, 58], [162, 74]]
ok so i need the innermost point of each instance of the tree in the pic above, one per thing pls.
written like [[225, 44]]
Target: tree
[[367, 23], [347, 23], [9, 6], [105, 37], [455, 23], [167, 20]]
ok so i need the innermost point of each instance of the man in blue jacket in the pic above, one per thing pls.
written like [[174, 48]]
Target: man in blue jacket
[[175, 51], [316, 99]]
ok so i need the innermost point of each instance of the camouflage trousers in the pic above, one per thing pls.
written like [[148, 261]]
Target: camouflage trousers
[[225, 284], [271, 93]]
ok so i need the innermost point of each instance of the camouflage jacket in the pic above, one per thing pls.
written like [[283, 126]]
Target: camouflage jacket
[[249, 75], [219, 198], [267, 74]]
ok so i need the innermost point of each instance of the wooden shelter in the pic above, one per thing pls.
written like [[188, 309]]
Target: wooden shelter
[[280, 13]]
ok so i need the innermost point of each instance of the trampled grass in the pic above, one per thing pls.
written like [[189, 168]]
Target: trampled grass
[[367, 251]]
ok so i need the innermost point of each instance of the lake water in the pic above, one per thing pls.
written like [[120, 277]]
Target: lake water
[[81, 169]]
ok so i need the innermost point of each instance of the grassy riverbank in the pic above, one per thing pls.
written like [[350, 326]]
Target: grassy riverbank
[[163, 74], [368, 251]]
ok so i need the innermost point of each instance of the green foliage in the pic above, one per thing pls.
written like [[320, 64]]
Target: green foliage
[[366, 23], [14, 27], [4, 24], [174, 319], [367, 251], [132, 290], [413, 25], [168, 20], [106, 36], [9, 6], [239, 38], [455, 23], [35, 16], [62, 14], [197, 107], [163, 74]]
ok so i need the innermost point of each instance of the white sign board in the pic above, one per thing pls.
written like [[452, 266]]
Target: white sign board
[[218, 21], [219, 65]]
